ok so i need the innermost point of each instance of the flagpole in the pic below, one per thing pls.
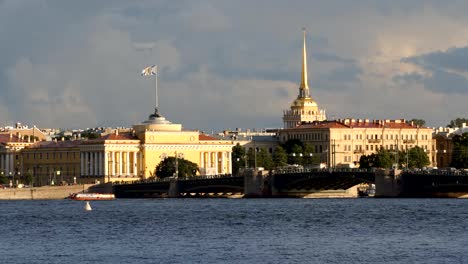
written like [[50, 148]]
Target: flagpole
[[156, 86]]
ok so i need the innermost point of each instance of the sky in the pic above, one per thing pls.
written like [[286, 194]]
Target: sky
[[226, 64]]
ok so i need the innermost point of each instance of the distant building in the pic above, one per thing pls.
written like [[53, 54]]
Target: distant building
[[342, 142], [11, 146], [52, 162], [444, 145]]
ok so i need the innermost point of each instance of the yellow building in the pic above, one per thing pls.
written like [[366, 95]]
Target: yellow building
[[343, 142], [52, 162], [134, 156], [11, 146]]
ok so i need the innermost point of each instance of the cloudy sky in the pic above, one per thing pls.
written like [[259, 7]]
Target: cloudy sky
[[228, 64]]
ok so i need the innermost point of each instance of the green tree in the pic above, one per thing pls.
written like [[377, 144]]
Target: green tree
[[367, 161], [28, 178], [90, 134], [280, 157], [418, 122], [264, 159], [457, 122], [3, 179], [251, 158], [309, 158], [290, 144], [166, 168], [384, 159], [417, 158], [238, 158], [295, 156], [460, 151]]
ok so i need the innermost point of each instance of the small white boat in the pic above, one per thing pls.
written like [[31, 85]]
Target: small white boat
[[91, 196]]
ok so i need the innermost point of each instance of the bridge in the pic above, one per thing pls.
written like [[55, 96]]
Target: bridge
[[281, 183]]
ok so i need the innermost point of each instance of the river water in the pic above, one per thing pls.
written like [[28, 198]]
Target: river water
[[362, 230]]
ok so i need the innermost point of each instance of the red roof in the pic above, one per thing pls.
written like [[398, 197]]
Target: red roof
[[206, 137], [120, 136], [395, 124], [57, 144]]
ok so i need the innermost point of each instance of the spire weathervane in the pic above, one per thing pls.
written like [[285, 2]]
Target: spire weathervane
[[304, 86]]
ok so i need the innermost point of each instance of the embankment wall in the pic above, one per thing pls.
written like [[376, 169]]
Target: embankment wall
[[41, 193]]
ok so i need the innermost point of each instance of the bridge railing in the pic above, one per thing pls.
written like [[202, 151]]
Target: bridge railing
[[289, 171], [168, 179], [437, 172]]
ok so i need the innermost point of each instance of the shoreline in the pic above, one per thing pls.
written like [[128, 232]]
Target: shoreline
[[43, 192]]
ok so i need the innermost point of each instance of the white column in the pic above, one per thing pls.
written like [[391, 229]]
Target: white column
[[216, 162], [139, 163], [202, 161], [134, 164], [106, 164], [82, 164], [12, 162], [127, 163], [230, 163], [86, 165], [100, 170], [121, 163], [96, 163], [113, 162], [223, 154], [91, 163], [7, 163]]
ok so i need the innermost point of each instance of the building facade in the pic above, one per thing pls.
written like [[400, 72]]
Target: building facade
[[52, 162], [342, 142]]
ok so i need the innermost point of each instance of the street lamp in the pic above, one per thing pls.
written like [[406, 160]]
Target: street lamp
[[58, 175], [12, 179], [177, 157]]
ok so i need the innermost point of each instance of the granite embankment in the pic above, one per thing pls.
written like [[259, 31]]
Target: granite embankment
[[50, 192]]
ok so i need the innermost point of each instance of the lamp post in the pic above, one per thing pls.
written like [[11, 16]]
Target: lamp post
[[12, 179], [59, 176], [407, 159], [2, 173], [177, 156]]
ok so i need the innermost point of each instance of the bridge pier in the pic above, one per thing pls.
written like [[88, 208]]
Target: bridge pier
[[257, 184], [173, 188], [388, 183]]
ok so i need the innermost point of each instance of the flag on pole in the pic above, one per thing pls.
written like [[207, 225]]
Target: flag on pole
[[150, 70]]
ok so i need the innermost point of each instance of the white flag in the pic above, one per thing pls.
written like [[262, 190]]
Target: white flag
[[150, 70]]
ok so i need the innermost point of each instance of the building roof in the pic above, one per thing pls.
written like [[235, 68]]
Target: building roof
[[119, 136], [6, 137], [206, 137], [359, 123], [56, 144]]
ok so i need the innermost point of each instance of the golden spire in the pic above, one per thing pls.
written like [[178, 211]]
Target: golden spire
[[304, 87]]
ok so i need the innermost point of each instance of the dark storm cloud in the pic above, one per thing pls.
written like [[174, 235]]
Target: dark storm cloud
[[451, 59], [438, 81], [444, 68]]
